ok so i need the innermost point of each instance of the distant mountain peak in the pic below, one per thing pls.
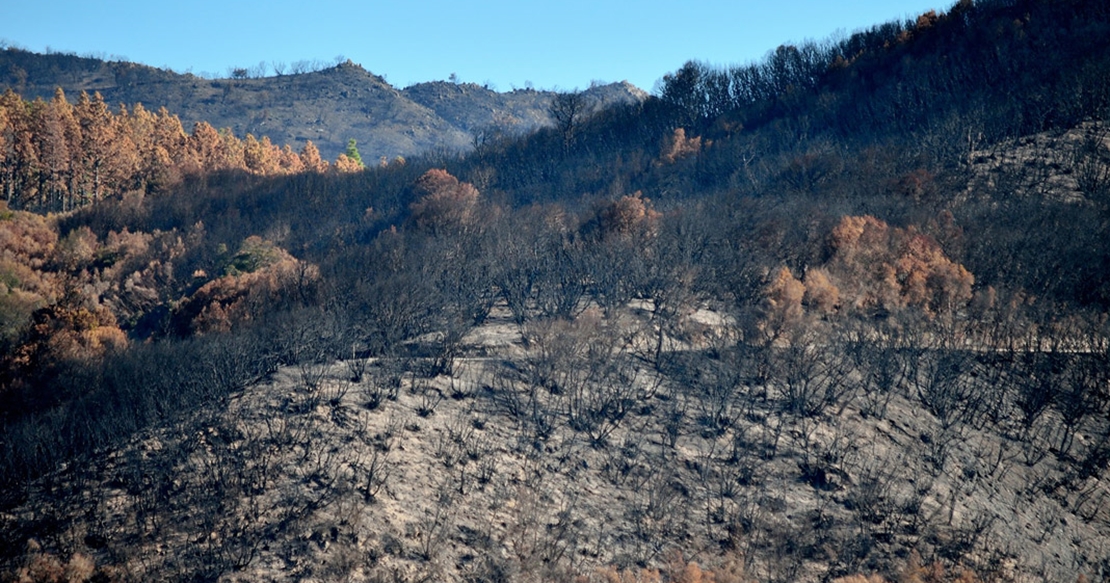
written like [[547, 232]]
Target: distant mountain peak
[[327, 106]]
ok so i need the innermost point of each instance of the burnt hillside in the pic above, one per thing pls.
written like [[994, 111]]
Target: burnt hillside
[[838, 315], [328, 105]]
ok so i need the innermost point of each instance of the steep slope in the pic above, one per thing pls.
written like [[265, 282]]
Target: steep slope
[[822, 325], [376, 469]]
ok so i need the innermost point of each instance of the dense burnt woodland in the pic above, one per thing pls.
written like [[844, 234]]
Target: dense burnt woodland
[[914, 218]]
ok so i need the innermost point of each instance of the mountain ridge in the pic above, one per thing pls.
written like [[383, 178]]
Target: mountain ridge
[[328, 106], [841, 315]]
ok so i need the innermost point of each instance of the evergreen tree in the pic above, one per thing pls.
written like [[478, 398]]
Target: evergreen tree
[[352, 153]]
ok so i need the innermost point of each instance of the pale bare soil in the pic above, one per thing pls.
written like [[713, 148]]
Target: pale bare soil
[[314, 475], [1063, 165]]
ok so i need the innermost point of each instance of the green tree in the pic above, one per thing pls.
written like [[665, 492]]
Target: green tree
[[352, 152]]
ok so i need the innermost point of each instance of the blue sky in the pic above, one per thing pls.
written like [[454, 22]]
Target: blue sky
[[549, 44]]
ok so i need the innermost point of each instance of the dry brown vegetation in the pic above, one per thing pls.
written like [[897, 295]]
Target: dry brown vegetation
[[820, 335], [58, 156], [325, 102]]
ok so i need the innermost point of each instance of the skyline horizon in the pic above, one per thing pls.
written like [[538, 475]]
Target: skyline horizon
[[503, 46]]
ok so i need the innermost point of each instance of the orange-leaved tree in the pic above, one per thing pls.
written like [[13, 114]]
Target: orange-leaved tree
[[27, 243], [260, 278], [311, 159], [876, 266], [677, 146], [630, 215], [782, 305], [446, 205]]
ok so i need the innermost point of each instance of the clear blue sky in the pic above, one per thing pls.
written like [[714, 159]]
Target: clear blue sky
[[552, 44]]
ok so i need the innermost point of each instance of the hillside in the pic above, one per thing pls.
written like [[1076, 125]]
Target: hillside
[[376, 469], [840, 315], [469, 107], [328, 106]]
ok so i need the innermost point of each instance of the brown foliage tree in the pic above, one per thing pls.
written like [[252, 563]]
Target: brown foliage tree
[[98, 133], [677, 146], [289, 162], [27, 243], [876, 266], [54, 130], [446, 204], [261, 157], [260, 278], [310, 158], [821, 294], [55, 156], [203, 147], [628, 216], [346, 165], [782, 307], [159, 146]]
